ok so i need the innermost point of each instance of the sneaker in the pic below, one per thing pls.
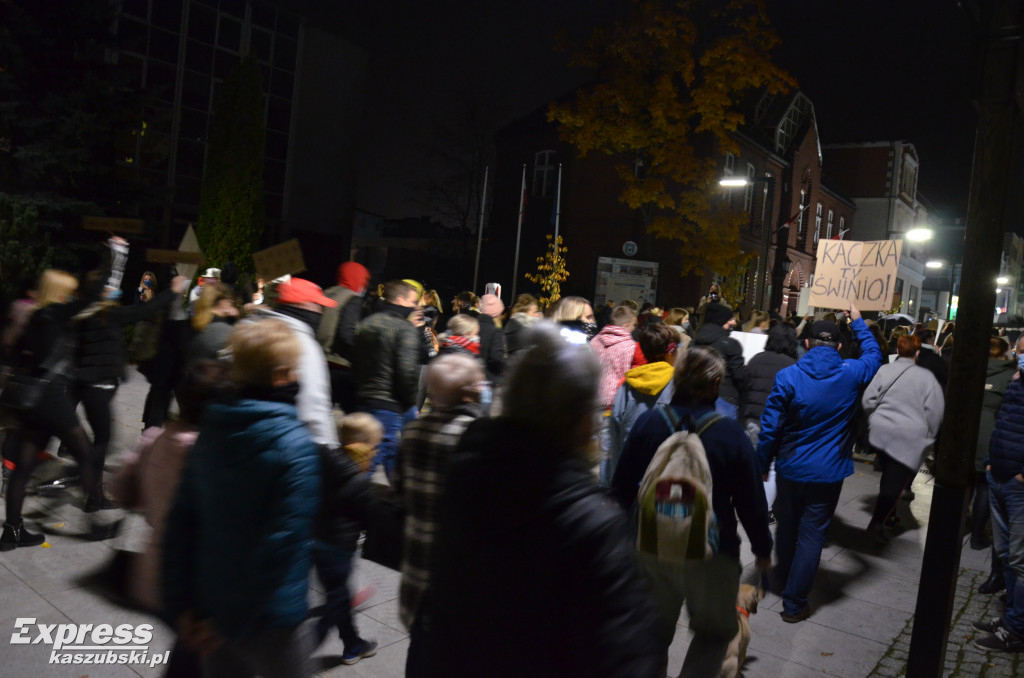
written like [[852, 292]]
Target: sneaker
[[1001, 641], [13, 537], [796, 616], [366, 648], [988, 625]]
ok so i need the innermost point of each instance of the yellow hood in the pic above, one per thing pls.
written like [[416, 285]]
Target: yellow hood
[[650, 379]]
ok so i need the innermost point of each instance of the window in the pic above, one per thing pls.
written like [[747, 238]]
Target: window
[[800, 216], [908, 177], [748, 193], [817, 224], [842, 223], [801, 224], [544, 174], [828, 232], [730, 164]]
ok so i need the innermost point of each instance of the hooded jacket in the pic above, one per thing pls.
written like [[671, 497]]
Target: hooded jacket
[[644, 387], [534, 577], [614, 347], [805, 426], [761, 371], [238, 542], [717, 338]]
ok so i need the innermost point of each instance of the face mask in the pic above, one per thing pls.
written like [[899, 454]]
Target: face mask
[[148, 283], [1020, 362]]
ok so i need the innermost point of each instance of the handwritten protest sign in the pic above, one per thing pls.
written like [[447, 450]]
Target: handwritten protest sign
[[279, 260], [860, 271]]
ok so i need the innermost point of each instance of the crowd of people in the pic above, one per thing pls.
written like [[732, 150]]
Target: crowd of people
[[517, 441]]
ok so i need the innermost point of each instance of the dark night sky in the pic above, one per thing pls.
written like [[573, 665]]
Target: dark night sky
[[876, 70]]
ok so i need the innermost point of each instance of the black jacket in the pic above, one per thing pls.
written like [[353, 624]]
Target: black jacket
[[1006, 449], [346, 495], [387, 358], [760, 373], [101, 337], [534, 574], [492, 347], [933, 362], [717, 338]]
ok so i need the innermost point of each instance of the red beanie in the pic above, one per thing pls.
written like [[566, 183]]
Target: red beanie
[[353, 275]]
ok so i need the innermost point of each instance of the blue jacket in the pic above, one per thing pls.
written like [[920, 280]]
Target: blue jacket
[[805, 426], [239, 537], [1006, 448]]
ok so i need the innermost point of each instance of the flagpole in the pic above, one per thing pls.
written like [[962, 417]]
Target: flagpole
[[519, 232], [558, 203], [480, 230]]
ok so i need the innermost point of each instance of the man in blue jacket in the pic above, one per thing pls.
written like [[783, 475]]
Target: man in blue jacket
[[1005, 474], [805, 429]]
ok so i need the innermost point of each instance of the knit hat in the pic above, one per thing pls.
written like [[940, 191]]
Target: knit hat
[[717, 314], [298, 291], [353, 275]]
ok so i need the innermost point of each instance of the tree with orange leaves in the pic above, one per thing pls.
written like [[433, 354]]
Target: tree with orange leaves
[[669, 93]]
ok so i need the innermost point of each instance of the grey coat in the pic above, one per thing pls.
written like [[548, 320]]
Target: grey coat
[[904, 404]]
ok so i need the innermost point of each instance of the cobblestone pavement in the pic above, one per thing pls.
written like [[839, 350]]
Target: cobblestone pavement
[[963, 659]]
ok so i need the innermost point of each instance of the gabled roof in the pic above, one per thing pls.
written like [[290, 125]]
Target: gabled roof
[[781, 117]]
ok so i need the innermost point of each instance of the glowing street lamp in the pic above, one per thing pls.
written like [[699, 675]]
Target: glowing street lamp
[[934, 264], [733, 182], [919, 234], [1002, 280]]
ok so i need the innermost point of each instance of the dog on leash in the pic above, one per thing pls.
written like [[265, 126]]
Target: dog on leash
[[746, 605]]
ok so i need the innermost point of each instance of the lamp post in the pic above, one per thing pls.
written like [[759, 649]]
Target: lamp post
[[766, 234]]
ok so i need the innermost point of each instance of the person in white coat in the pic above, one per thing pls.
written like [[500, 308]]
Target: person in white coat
[[904, 404]]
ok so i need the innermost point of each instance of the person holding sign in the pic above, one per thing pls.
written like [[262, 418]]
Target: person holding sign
[[805, 429]]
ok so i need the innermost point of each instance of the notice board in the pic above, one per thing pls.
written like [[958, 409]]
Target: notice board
[[620, 279]]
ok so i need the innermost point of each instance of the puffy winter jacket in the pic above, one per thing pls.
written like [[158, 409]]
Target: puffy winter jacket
[[534, 574], [644, 387], [717, 338], [1006, 449], [614, 347], [805, 426], [238, 542], [346, 496], [386, 362], [101, 336], [761, 371]]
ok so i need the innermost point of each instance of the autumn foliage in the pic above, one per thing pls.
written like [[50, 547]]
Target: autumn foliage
[[668, 94], [551, 272]]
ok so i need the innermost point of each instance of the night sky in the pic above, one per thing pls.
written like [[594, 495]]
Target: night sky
[[876, 70]]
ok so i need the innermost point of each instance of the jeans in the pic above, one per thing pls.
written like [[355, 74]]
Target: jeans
[[803, 512], [334, 567], [1007, 499], [387, 451]]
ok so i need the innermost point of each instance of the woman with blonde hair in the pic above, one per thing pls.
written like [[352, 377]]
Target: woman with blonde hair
[[213, 320], [576, 316]]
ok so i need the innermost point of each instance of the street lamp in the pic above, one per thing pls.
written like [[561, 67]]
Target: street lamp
[[766, 234], [919, 234], [1002, 280], [934, 264]]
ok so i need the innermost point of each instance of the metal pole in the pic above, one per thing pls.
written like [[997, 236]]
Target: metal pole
[[519, 232], [480, 230], [558, 203], [998, 45], [766, 239]]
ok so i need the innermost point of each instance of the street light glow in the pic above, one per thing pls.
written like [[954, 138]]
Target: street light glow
[[919, 234], [934, 264], [1002, 280], [733, 182]]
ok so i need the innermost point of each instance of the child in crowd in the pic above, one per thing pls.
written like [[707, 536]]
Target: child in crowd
[[342, 517], [238, 541]]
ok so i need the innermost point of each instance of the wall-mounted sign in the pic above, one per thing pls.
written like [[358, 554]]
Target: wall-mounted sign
[[621, 279], [629, 248]]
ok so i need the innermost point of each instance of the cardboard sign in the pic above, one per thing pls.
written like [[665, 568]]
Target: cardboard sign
[[113, 225], [860, 271], [283, 259], [175, 257], [189, 243]]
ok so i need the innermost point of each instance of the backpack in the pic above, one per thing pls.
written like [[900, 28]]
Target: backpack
[[676, 522]]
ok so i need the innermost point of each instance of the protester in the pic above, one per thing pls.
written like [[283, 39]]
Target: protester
[[929, 357], [454, 385], [343, 515], [147, 287], [644, 387], [779, 353], [758, 323], [337, 331], [805, 429], [299, 304], [213, 319], [492, 338], [525, 313], [532, 573], [614, 348], [237, 554], [714, 333], [576, 317], [386, 362], [708, 587], [679, 320], [904, 404], [1005, 469], [463, 337]]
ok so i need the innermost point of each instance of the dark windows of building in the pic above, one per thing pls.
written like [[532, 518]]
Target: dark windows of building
[[198, 57], [191, 157], [235, 8], [195, 90], [817, 224], [801, 220], [285, 52], [160, 80], [229, 34], [163, 46], [842, 223], [273, 176], [202, 23], [544, 174], [260, 43], [748, 192], [278, 114], [277, 145], [831, 216], [132, 68], [193, 125], [167, 14], [187, 190], [263, 14], [136, 8], [224, 63], [132, 36], [288, 24]]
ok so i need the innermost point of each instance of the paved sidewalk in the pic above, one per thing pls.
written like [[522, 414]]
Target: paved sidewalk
[[862, 604]]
